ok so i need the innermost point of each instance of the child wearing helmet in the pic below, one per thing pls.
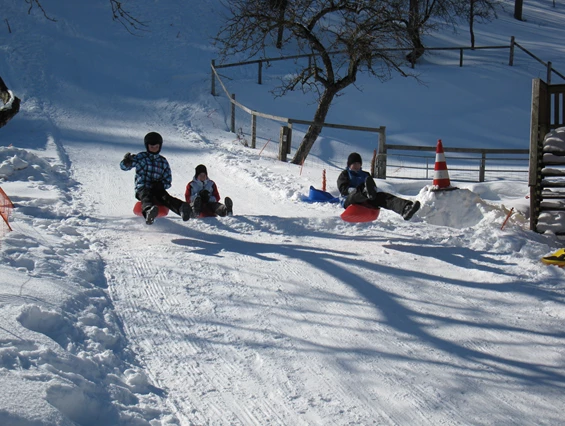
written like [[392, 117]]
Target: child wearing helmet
[[152, 179]]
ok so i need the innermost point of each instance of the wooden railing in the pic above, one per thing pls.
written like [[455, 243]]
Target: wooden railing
[[548, 113], [286, 131], [511, 48], [475, 167]]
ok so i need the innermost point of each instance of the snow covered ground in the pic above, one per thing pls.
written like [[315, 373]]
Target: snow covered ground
[[282, 314]]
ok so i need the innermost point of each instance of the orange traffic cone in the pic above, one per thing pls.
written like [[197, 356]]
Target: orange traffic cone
[[441, 175]]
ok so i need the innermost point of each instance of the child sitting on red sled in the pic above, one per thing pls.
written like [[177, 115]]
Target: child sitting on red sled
[[152, 179], [204, 197], [358, 187]]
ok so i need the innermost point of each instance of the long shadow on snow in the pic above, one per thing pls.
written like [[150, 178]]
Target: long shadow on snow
[[340, 265]]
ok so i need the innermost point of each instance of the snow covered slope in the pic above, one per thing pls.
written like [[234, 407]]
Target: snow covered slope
[[282, 314]]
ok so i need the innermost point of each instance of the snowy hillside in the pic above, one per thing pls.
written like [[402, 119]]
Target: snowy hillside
[[282, 314]]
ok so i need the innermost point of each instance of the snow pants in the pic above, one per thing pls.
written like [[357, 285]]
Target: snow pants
[[384, 200], [157, 196]]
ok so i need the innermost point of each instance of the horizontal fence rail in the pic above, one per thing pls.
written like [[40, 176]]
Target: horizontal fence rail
[[286, 133], [511, 47], [467, 164], [472, 167]]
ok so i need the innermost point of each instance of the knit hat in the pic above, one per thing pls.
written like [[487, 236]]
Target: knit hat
[[354, 158], [201, 168], [153, 138]]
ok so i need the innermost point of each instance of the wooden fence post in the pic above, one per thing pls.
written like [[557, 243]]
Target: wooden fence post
[[381, 156], [283, 143], [460, 57], [511, 60], [482, 167], [233, 113], [289, 138], [253, 130], [260, 73], [534, 177]]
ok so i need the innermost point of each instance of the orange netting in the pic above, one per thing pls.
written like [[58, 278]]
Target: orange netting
[[6, 207]]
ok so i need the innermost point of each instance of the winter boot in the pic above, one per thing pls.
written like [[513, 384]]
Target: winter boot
[[196, 207], [410, 209], [151, 214], [229, 206], [185, 211], [371, 188]]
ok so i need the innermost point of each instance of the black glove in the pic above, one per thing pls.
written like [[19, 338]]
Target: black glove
[[204, 195], [128, 160]]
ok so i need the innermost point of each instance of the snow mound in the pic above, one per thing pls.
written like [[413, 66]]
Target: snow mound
[[457, 208]]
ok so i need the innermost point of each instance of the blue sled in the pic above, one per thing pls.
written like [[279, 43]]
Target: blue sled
[[319, 196]]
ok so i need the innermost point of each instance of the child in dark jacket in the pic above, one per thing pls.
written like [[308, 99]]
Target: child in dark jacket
[[358, 187], [203, 194], [152, 179]]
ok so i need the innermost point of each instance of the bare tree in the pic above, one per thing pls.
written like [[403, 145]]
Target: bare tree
[[280, 6], [422, 16], [9, 105], [130, 23], [480, 11], [343, 37]]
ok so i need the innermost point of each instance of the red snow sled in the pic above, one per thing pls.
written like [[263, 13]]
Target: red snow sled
[[355, 213], [206, 212], [163, 211]]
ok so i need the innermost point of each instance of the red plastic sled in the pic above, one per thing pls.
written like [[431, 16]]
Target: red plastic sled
[[356, 213], [163, 211]]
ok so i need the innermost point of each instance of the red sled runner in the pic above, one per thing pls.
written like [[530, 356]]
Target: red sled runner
[[163, 211], [356, 213]]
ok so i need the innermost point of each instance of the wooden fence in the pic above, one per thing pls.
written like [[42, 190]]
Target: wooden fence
[[547, 165], [286, 131], [469, 164], [511, 48]]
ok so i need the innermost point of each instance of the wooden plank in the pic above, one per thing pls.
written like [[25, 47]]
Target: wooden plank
[[553, 173], [552, 185], [338, 126], [556, 115]]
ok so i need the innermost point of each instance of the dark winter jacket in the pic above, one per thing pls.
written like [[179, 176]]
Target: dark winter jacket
[[149, 169], [349, 179]]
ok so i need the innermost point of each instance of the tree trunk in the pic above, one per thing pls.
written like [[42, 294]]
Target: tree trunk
[[315, 129], [280, 5], [472, 22], [413, 31], [518, 5], [281, 26]]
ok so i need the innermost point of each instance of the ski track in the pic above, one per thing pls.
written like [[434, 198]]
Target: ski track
[[229, 321], [177, 279]]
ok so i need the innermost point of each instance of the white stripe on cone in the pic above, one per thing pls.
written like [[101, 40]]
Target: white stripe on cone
[[441, 175]]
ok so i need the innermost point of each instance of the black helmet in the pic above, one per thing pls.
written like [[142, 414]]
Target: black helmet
[[153, 138]]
